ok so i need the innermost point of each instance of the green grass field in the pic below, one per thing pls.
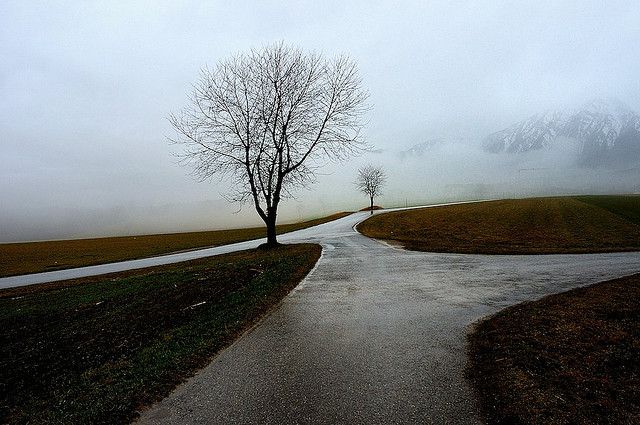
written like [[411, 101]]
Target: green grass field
[[570, 358], [34, 257], [624, 206], [95, 350], [520, 226]]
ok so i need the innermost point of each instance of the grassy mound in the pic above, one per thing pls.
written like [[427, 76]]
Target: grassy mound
[[567, 358], [521, 226], [34, 257], [95, 350], [375, 208]]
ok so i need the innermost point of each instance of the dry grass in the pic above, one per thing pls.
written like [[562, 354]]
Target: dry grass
[[567, 358], [522, 226], [34, 257]]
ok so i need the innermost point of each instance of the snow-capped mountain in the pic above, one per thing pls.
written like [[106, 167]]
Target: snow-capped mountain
[[607, 131]]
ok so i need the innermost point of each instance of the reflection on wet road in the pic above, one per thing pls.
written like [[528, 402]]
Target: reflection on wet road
[[374, 334]]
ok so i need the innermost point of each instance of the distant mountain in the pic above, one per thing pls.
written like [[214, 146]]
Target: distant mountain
[[420, 149], [608, 133]]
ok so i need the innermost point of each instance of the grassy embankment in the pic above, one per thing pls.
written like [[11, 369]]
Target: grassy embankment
[[34, 257], [95, 350], [521, 226], [567, 358]]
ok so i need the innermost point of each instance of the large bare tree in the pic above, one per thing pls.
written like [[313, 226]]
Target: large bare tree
[[370, 181], [268, 119]]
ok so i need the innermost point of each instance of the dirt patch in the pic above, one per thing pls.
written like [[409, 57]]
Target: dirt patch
[[567, 358]]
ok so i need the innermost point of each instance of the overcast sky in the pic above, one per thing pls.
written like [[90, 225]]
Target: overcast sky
[[85, 89]]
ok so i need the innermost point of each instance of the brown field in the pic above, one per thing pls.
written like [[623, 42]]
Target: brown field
[[520, 226], [567, 358], [375, 207], [34, 257]]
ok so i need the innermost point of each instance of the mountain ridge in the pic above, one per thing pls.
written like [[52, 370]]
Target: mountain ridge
[[607, 131]]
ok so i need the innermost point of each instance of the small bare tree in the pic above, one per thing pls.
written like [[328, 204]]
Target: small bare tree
[[370, 181], [268, 119]]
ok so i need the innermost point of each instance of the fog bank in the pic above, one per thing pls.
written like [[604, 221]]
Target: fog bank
[[86, 89]]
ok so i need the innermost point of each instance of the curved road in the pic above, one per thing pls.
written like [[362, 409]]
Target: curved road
[[315, 234], [374, 334]]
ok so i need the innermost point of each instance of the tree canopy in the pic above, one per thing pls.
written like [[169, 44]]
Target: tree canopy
[[268, 119]]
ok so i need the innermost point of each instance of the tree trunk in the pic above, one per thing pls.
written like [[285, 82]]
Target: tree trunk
[[271, 230], [372, 205]]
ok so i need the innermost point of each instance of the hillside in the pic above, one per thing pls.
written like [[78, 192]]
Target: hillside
[[516, 226]]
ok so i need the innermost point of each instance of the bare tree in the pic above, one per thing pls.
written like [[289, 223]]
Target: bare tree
[[268, 119], [370, 180]]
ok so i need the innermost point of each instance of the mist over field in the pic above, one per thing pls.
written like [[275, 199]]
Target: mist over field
[[86, 90]]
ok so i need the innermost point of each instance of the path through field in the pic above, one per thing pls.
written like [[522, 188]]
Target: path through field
[[374, 334]]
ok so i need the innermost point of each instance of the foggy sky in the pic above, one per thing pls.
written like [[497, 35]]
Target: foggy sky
[[85, 89]]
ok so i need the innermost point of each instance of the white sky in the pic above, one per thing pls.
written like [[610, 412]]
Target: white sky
[[85, 88]]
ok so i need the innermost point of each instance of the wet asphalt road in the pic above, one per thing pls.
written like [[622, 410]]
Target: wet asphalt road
[[374, 334]]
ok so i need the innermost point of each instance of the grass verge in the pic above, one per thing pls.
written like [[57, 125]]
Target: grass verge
[[95, 350], [35, 257], [567, 358], [624, 206], [516, 226]]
